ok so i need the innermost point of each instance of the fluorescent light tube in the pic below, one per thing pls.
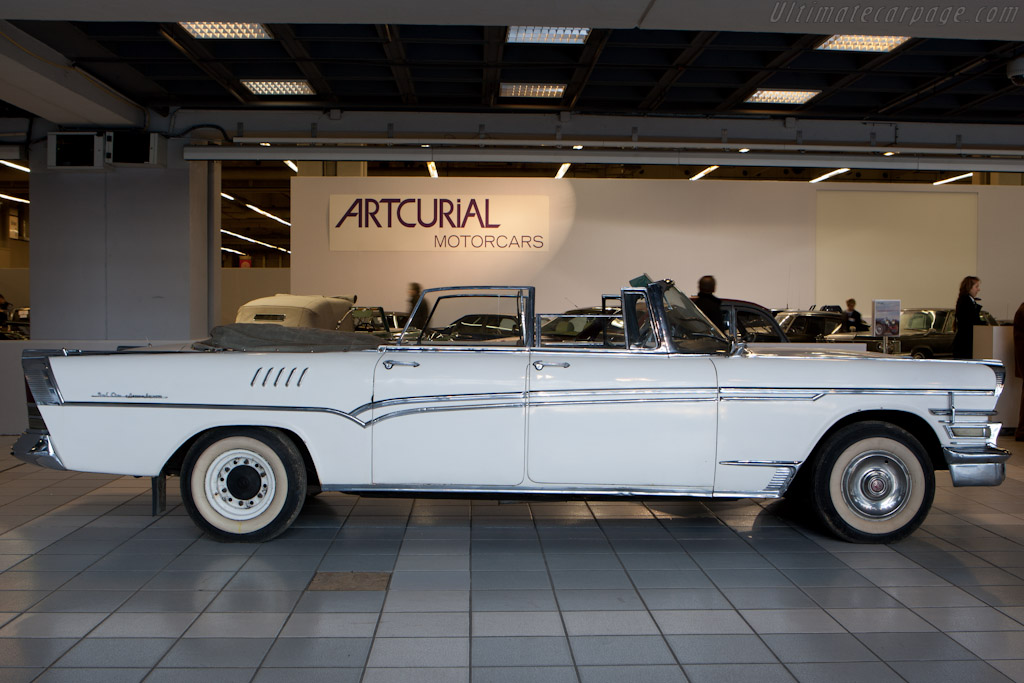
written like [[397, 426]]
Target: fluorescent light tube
[[561, 171], [15, 166], [249, 239], [553, 90], [432, 169], [766, 96], [937, 182], [830, 174], [703, 173], [565, 35], [231, 30], [860, 43], [268, 215], [278, 87], [291, 164], [14, 199]]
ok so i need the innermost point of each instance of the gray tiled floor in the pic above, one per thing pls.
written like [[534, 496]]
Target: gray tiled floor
[[94, 588]]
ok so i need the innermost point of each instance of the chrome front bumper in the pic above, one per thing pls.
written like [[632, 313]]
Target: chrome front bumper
[[34, 447], [976, 465]]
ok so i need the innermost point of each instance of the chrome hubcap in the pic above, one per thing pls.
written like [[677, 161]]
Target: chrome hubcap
[[240, 484], [876, 485]]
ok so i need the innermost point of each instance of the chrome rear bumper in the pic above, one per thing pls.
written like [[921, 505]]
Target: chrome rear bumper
[[976, 465], [34, 447]]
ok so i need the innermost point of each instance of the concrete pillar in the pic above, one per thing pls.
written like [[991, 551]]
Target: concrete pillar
[[121, 252]]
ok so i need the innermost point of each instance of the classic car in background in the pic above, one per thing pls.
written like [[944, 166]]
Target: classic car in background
[[378, 322], [810, 326], [924, 333], [752, 323], [668, 408], [299, 310]]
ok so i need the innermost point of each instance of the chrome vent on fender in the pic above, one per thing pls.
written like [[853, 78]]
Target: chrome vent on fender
[[1000, 372], [283, 376], [781, 479], [40, 381]]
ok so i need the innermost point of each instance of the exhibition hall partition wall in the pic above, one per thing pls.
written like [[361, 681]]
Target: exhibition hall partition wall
[[777, 243]]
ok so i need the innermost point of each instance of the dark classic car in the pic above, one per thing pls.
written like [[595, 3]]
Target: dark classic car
[[749, 322], [810, 326], [924, 333]]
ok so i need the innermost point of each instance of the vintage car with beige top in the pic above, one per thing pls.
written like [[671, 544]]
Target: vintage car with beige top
[[653, 401]]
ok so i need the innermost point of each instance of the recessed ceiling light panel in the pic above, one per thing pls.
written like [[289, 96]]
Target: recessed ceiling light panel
[[229, 30], [268, 87], [766, 96], [857, 43], [565, 35], [553, 90]]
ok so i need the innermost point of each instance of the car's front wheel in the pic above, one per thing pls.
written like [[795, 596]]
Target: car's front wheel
[[872, 483], [245, 484]]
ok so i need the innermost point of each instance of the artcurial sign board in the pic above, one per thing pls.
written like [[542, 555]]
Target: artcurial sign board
[[439, 222]]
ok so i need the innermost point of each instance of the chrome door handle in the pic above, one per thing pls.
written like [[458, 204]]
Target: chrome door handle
[[540, 365], [388, 364]]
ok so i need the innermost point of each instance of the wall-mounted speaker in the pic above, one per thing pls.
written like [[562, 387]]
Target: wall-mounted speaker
[[74, 150], [135, 147]]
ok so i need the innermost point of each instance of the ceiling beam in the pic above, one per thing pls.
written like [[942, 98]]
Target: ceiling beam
[[494, 48], [395, 52], [592, 49], [201, 57], [801, 45], [657, 94], [40, 80], [863, 70], [978, 66], [298, 52]]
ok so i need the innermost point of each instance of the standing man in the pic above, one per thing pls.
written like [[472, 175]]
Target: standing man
[[1018, 356], [709, 304]]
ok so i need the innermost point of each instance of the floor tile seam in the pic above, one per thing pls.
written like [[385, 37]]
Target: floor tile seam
[[886, 661], [647, 607], [558, 605], [199, 614], [387, 591]]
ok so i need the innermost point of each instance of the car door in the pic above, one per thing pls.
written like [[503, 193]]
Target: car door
[[632, 415], [450, 413]]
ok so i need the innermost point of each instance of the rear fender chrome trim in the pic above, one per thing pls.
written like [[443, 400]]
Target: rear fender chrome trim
[[34, 447]]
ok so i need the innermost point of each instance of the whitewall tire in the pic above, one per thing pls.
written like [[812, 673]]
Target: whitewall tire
[[245, 484], [872, 483]]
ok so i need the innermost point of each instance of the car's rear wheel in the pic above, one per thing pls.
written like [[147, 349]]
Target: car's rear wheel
[[920, 353], [872, 483], [245, 484]]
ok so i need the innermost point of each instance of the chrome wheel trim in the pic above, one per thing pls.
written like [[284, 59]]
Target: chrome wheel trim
[[227, 499], [876, 485]]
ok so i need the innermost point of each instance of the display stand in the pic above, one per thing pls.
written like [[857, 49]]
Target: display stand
[[997, 343]]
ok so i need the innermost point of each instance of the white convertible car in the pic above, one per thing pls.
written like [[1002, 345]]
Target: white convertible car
[[491, 398]]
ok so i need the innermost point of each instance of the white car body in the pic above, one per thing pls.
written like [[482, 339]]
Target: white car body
[[471, 416]]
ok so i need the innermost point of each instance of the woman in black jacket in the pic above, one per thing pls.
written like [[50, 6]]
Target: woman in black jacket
[[968, 314]]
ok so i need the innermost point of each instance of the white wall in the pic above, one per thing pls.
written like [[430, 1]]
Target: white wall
[[756, 238], [760, 240], [868, 242]]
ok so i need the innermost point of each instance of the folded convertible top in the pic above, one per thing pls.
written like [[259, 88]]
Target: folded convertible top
[[270, 337]]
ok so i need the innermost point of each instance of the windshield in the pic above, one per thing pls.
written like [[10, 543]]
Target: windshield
[[690, 330]]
